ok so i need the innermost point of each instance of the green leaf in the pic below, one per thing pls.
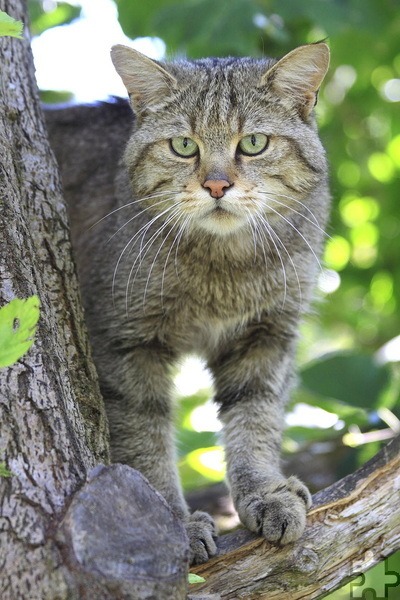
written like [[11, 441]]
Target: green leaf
[[191, 440], [9, 26], [55, 96], [195, 578], [54, 15], [195, 26], [4, 472], [350, 415], [136, 17], [350, 377], [189, 27], [307, 435], [18, 321]]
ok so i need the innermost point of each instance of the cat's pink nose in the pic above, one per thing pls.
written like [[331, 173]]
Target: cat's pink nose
[[216, 187]]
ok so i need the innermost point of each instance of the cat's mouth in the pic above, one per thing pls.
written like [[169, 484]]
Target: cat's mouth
[[219, 217], [218, 211], [221, 221]]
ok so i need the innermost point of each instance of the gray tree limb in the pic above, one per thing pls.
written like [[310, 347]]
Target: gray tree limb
[[353, 525]]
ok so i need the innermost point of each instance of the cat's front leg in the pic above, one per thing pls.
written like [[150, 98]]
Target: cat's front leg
[[253, 381], [137, 394], [267, 503]]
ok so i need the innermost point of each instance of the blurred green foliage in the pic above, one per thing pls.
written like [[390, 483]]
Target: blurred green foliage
[[50, 13], [353, 388]]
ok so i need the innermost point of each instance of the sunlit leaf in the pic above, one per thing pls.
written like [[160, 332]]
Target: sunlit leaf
[[193, 578], [352, 378], [4, 472], [10, 26], [381, 167], [393, 150], [381, 288], [18, 320], [337, 252], [208, 461], [202, 466], [188, 404], [350, 415], [356, 211], [55, 96], [60, 13], [189, 440]]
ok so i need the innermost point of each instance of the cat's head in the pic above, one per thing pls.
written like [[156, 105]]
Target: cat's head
[[224, 144]]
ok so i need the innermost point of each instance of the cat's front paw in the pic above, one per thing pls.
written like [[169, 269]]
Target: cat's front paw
[[278, 511], [201, 531]]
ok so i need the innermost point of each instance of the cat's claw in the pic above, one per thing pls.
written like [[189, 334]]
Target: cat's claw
[[201, 531], [277, 512]]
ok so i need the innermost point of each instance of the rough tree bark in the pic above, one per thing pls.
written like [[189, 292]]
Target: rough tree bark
[[48, 437], [72, 529], [353, 525]]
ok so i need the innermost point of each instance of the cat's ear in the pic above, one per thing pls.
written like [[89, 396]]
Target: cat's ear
[[147, 83], [299, 74]]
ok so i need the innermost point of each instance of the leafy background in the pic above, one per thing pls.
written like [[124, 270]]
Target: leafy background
[[347, 403]]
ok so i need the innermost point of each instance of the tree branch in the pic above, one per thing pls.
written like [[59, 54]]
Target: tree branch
[[353, 525], [120, 539]]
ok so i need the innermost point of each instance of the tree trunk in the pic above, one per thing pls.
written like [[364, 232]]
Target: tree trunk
[[52, 421]]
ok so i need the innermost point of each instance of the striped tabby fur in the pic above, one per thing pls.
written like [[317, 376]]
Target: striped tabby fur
[[227, 277]]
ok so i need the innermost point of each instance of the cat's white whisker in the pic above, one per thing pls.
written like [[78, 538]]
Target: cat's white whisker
[[132, 241], [177, 237], [146, 247], [313, 222], [143, 246], [253, 230], [299, 233], [128, 204], [292, 199], [261, 234], [272, 232], [176, 224], [171, 218], [145, 210], [284, 275], [185, 225]]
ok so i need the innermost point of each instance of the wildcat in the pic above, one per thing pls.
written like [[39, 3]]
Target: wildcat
[[210, 246]]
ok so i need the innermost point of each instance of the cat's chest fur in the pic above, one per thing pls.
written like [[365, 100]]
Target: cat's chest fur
[[223, 288], [209, 295]]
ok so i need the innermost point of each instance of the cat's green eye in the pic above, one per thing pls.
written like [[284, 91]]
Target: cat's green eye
[[184, 146], [253, 144]]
